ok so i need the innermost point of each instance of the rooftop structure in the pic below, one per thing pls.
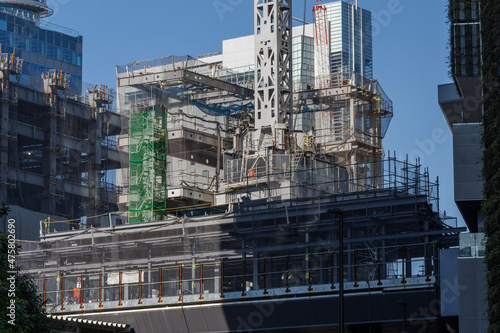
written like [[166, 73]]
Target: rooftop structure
[[38, 7]]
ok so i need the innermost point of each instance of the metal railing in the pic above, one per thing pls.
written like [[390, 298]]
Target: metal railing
[[390, 174], [237, 278]]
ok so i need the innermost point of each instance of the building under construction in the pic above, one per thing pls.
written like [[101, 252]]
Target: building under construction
[[251, 205], [57, 143]]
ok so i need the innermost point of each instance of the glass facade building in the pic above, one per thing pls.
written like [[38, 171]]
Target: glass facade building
[[303, 75], [351, 45], [302, 62], [42, 46]]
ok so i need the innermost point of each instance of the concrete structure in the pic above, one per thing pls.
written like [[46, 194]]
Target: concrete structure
[[56, 146], [461, 103]]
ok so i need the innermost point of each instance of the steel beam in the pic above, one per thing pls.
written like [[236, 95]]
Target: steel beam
[[177, 77]]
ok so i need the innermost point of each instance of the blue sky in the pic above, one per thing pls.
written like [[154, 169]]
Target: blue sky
[[410, 51]]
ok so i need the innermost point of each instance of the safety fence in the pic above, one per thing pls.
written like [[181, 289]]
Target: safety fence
[[390, 174], [118, 286]]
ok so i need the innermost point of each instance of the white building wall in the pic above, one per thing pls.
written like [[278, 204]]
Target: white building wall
[[240, 52]]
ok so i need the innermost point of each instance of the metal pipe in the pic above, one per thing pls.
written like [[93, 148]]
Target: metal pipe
[[341, 265], [427, 263], [44, 291], [287, 274], [244, 278], [180, 283], [81, 292], [222, 279], [333, 271], [44, 296], [309, 281], [62, 293], [201, 282], [340, 214], [403, 261], [217, 171], [379, 268], [356, 285], [159, 286], [100, 290], [140, 287], [120, 289], [265, 276]]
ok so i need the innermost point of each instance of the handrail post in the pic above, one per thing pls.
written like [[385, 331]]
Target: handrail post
[[100, 290], [244, 278], [201, 282], [403, 261], [180, 283], [379, 267], [81, 292], [333, 271], [120, 289], [427, 263], [62, 293], [265, 276], [159, 286], [44, 291], [140, 287], [356, 285], [309, 280], [222, 279], [287, 274]]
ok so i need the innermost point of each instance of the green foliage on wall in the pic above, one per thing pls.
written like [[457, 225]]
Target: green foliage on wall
[[490, 31]]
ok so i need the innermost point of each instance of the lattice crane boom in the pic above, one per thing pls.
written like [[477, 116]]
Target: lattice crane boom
[[322, 49]]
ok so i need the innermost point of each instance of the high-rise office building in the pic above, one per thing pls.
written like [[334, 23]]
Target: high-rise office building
[[303, 72], [41, 45], [343, 57], [303, 62], [350, 29]]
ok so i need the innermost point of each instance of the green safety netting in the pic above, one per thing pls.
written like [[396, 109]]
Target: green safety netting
[[148, 147]]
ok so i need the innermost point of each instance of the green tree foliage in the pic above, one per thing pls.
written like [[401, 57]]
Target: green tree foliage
[[21, 294], [490, 31], [4, 210]]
